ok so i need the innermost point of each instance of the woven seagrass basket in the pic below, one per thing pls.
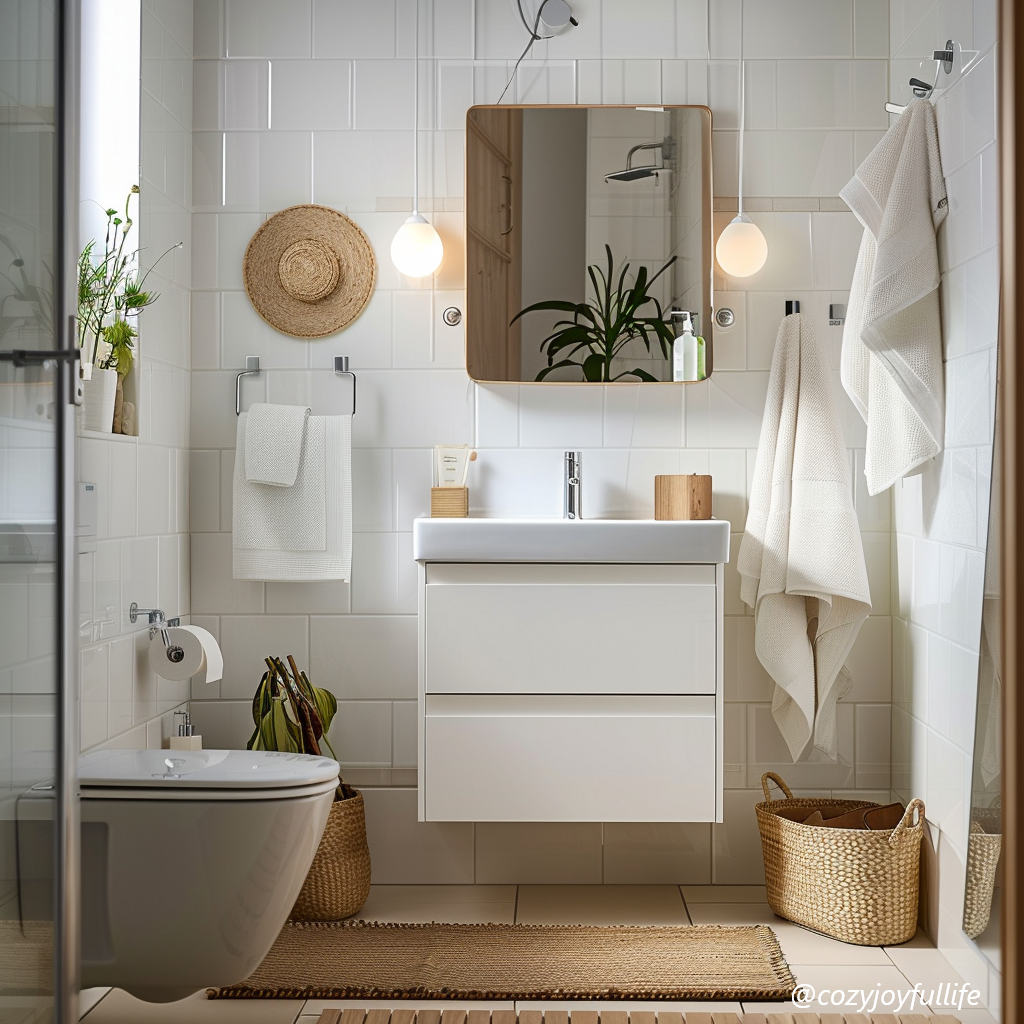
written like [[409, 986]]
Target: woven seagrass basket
[[339, 877], [859, 886], [982, 859]]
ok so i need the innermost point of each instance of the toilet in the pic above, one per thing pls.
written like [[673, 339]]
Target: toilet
[[191, 862]]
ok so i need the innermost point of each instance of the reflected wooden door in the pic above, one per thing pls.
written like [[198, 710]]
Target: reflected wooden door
[[493, 242]]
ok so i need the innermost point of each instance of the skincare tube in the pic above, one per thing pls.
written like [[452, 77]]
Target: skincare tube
[[451, 463]]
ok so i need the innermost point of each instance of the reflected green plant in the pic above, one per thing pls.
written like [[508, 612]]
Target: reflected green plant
[[600, 330]]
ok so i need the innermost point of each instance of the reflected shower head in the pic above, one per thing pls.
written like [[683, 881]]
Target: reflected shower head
[[631, 173]]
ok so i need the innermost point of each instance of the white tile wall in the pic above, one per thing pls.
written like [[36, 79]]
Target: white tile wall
[[941, 519], [310, 99], [143, 482]]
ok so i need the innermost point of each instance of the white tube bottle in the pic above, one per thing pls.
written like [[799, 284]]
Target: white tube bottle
[[684, 348]]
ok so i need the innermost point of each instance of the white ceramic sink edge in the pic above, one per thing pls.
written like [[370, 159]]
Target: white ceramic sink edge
[[562, 540]]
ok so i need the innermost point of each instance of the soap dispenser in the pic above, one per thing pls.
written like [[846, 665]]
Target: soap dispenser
[[684, 349], [185, 738]]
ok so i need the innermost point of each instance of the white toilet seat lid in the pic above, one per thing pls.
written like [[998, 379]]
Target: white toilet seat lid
[[203, 769]]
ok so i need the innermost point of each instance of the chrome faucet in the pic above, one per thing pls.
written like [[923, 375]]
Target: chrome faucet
[[572, 506]]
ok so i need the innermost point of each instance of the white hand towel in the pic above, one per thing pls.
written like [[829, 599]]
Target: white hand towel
[[801, 561], [285, 551], [892, 341], [267, 517], [273, 443]]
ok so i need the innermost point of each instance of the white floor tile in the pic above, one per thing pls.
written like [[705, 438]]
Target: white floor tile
[[88, 998], [452, 904], [723, 894], [600, 904], [120, 1008]]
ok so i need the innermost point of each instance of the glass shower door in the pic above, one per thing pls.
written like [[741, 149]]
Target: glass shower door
[[38, 808]]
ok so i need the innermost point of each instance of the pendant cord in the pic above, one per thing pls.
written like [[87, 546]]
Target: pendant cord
[[416, 116], [743, 111]]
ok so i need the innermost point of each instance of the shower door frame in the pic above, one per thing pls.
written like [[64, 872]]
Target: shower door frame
[[67, 897], [63, 359]]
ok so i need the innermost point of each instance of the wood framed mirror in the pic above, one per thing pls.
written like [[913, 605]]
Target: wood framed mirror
[[554, 192]]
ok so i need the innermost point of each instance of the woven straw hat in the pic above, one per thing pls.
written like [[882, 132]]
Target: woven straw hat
[[309, 271]]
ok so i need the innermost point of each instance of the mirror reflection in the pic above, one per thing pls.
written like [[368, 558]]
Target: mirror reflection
[[984, 840], [588, 244]]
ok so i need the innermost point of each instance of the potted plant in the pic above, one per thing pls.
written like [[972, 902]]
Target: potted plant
[[110, 296], [292, 715], [598, 332]]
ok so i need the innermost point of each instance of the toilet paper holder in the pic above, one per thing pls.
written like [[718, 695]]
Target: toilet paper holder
[[158, 624]]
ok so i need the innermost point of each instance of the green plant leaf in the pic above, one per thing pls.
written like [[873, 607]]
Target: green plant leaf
[[549, 369], [593, 367], [555, 304], [642, 374]]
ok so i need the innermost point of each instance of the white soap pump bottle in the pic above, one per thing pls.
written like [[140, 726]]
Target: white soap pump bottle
[[684, 349]]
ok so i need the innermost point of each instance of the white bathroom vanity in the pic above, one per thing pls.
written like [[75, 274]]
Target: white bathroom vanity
[[570, 671]]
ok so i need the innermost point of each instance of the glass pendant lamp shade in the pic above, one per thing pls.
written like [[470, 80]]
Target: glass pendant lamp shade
[[741, 250], [416, 248]]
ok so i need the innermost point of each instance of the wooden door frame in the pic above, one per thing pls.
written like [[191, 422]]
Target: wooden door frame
[[1011, 363]]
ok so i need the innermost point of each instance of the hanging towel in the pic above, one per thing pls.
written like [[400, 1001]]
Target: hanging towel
[[302, 532], [801, 561], [273, 443], [892, 341]]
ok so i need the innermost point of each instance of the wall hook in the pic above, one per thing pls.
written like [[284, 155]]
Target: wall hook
[[922, 90]]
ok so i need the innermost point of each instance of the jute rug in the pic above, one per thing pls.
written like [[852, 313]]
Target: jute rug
[[361, 959]]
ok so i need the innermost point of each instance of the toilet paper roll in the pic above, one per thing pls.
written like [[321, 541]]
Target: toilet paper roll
[[214, 655], [202, 654]]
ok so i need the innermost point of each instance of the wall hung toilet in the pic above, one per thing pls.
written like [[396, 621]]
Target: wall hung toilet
[[191, 862]]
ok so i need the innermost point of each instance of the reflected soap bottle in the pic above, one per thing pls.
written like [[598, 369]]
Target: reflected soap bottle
[[684, 348]]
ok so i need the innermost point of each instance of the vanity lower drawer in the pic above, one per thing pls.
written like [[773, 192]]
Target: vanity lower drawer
[[570, 628], [569, 758]]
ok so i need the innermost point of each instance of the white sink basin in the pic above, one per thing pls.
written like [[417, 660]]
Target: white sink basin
[[563, 540]]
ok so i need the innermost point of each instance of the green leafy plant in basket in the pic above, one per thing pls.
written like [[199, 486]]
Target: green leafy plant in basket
[[292, 715], [600, 330]]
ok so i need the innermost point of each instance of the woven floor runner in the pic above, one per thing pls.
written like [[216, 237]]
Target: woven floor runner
[[516, 961], [381, 1016]]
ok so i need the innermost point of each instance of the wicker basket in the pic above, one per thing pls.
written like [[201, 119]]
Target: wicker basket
[[339, 877], [859, 886], [982, 859]]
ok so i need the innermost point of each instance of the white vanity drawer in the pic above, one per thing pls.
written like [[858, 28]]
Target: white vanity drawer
[[569, 758], [570, 628]]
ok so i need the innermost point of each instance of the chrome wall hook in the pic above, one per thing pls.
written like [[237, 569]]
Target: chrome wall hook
[[922, 90]]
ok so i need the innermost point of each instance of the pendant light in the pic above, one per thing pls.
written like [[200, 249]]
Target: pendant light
[[416, 249], [741, 250]]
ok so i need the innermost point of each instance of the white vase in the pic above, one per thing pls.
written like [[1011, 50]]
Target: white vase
[[98, 400]]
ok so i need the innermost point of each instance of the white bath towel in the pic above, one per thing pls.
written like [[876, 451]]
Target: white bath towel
[[892, 341], [801, 561], [274, 436], [303, 532]]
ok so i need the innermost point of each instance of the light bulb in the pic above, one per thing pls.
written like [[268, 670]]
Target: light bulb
[[417, 249], [741, 249]]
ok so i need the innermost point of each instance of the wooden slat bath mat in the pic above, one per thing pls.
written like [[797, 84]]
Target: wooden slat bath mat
[[380, 1016], [354, 960]]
